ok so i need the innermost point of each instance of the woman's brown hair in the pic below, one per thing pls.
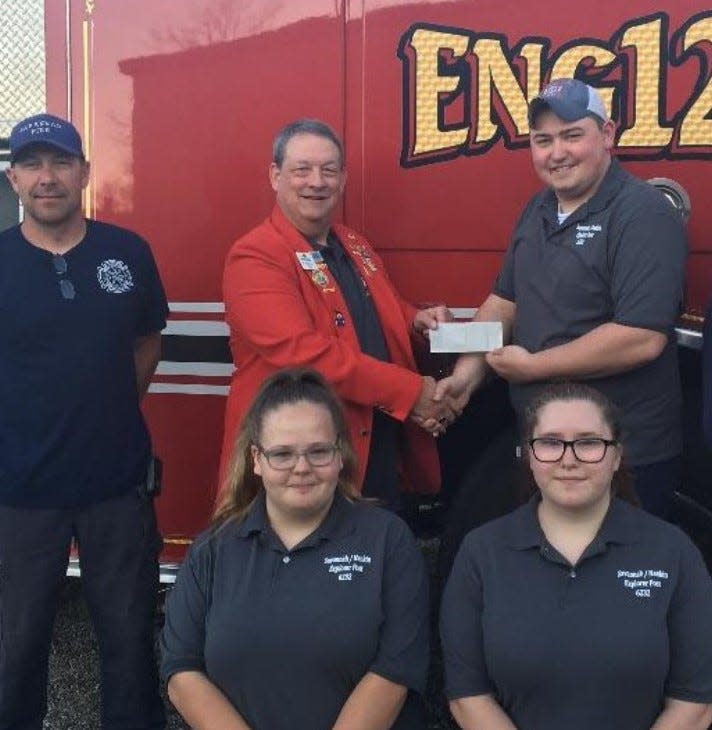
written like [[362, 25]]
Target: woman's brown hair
[[621, 484], [289, 386]]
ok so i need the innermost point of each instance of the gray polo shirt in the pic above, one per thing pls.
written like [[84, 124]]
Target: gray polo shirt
[[586, 647], [287, 634], [620, 257]]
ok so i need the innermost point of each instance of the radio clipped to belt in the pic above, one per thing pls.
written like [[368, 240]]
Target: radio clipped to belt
[[153, 482]]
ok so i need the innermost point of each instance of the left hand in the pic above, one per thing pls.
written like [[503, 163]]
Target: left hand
[[427, 319], [513, 363], [434, 416]]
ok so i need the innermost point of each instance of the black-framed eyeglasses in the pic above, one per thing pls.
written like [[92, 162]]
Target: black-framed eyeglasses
[[282, 458], [65, 285], [589, 450]]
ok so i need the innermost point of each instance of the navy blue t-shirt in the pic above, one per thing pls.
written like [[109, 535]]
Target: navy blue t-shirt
[[71, 431]]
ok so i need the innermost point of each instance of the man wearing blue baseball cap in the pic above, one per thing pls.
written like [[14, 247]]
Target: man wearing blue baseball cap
[[81, 310], [591, 287]]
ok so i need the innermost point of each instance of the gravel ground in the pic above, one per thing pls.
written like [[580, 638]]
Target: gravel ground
[[73, 702], [74, 678]]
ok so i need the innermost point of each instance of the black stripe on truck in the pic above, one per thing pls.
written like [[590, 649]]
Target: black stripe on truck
[[187, 348]]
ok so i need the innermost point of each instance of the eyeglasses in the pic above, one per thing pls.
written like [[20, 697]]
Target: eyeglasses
[[587, 450], [282, 459], [65, 285]]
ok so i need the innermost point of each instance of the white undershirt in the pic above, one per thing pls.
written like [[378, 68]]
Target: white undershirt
[[561, 215]]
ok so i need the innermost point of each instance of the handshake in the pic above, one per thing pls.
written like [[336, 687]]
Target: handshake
[[440, 403]]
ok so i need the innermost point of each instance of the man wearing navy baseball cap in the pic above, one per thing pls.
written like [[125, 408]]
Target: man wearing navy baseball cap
[[591, 287], [81, 310], [45, 129], [570, 100]]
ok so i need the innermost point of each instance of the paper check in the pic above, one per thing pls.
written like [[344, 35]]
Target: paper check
[[466, 337]]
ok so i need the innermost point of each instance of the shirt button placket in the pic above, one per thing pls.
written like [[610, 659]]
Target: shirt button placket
[[566, 595], [279, 562]]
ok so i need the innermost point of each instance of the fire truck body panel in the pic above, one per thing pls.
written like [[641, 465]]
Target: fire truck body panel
[[178, 102]]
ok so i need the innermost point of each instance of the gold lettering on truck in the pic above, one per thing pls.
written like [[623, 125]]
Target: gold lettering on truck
[[431, 49], [497, 75], [696, 127], [464, 91], [645, 42]]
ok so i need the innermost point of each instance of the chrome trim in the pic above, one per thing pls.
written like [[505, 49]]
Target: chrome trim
[[73, 569], [691, 339], [686, 337], [189, 388], [675, 194], [205, 369], [166, 574], [197, 307], [196, 328]]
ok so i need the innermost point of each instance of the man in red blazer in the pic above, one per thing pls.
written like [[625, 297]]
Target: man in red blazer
[[302, 290]]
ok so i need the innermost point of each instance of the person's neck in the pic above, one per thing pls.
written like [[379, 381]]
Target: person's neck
[[314, 234], [56, 239], [291, 529], [320, 238], [567, 207], [571, 531]]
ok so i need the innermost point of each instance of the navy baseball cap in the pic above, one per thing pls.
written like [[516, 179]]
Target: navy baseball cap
[[45, 129], [570, 100]]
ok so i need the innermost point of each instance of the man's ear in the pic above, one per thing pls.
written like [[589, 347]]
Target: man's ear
[[608, 130], [274, 172], [10, 175], [85, 173]]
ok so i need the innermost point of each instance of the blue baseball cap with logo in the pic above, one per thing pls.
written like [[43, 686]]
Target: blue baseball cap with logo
[[48, 130], [570, 100]]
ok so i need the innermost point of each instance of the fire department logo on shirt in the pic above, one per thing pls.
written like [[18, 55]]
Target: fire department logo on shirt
[[114, 276]]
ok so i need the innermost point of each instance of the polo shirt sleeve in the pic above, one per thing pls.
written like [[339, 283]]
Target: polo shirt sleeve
[[154, 309], [505, 285], [690, 630], [403, 644], [648, 270], [461, 627], [182, 640]]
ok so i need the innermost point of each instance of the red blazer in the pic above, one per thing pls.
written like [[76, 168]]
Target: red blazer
[[283, 315]]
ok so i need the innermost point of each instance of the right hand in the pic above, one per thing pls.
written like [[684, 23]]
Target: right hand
[[432, 415], [454, 391]]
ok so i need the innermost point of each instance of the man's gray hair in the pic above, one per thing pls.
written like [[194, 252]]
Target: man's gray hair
[[304, 126]]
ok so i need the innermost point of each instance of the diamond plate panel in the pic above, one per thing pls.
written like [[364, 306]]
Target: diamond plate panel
[[22, 61]]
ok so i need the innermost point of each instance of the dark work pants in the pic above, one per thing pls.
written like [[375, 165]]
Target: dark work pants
[[118, 549], [655, 483]]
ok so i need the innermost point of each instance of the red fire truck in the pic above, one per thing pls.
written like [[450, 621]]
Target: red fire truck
[[178, 101]]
